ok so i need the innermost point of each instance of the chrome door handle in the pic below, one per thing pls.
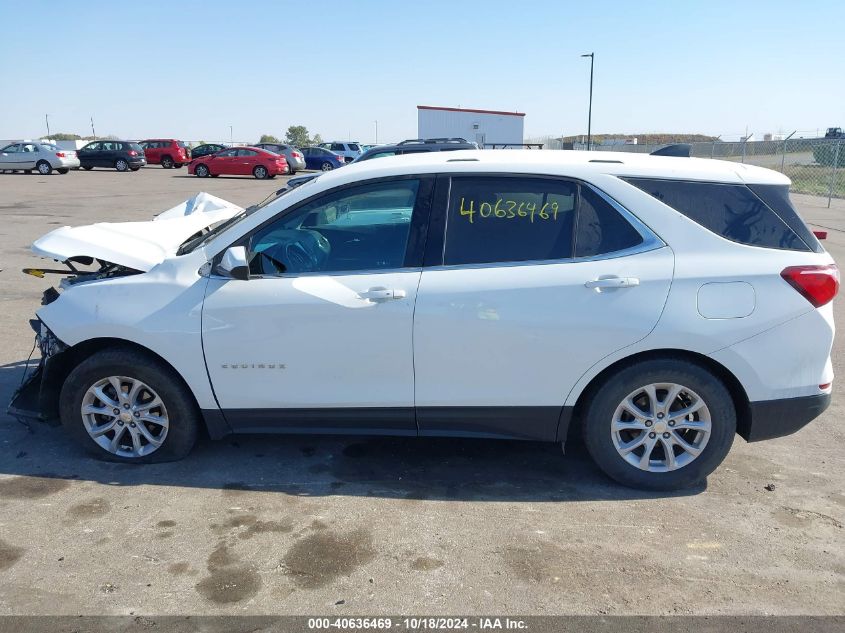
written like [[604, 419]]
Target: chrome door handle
[[382, 294], [613, 282]]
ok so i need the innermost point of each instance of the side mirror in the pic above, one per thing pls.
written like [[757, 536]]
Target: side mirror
[[234, 263]]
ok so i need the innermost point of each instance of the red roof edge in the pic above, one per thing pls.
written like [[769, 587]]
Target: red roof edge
[[425, 107]]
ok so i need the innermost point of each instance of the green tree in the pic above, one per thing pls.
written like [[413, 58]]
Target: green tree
[[268, 138], [63, 136], [297, 135], [316, 140]]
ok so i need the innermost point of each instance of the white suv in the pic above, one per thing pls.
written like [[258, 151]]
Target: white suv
[[349, 150], [660, 305]]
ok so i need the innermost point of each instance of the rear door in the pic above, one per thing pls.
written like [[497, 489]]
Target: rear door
[[533, 280]]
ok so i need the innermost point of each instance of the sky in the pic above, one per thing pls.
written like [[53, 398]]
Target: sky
[[191, 69]]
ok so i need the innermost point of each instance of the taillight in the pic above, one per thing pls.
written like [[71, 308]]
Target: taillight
[[297, 155], [339, 157], [132, 152], [60, 154], [817, 284]]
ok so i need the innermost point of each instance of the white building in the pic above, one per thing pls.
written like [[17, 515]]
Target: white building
[[485, 127]]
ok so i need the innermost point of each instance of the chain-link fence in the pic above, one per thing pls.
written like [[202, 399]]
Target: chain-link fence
[[816, 166]]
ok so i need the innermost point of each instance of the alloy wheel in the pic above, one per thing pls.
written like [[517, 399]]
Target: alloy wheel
[[125, 416], [661, 427]]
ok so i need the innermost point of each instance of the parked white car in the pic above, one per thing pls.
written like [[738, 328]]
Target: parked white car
[[658, 305], [33, 156], [348, 149]]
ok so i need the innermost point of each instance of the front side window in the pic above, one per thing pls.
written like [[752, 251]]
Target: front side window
[[731, 211], [506, 219], [338, 147], [91, 147], [354, 147], [358, 228], [11, 149]]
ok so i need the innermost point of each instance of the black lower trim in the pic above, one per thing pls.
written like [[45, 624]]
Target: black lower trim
[[525, 423], [776, 418], [339, 420]]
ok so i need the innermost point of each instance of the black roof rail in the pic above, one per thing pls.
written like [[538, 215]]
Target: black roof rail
[[416, 141], [681, 150]]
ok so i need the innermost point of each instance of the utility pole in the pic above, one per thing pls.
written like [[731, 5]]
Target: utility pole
[[47, 119], [230, 135], [592, 57], [93, 133]]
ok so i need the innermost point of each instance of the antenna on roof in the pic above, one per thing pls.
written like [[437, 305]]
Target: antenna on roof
[[680, 150]]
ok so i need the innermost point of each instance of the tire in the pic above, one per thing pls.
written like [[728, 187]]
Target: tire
[[177, 165], [214, 175], [27, 171], [260, 172], [121, 165], [44, 168], [292, 172], [697, 384], [87, 167], [134, 168], [63, 171], [326, 166], [179, 409], [166, 162], [201, 171]]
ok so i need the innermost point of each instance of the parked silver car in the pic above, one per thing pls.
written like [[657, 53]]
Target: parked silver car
[[43, 157], [296, 161]]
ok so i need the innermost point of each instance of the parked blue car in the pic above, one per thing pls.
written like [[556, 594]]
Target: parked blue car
[[322, 159]]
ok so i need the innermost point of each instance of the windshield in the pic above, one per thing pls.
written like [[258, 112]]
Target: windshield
[[201, 239]]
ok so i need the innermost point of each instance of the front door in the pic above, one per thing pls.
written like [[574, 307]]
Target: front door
[[10, 156], [320, 337], [523, 303]]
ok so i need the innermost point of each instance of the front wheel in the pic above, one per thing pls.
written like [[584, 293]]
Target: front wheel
[[260, 172], [327, 166], [122, 405], [87, 167], [177, 165], [201, 171], [121, 165], [660, 425], [44, 168]]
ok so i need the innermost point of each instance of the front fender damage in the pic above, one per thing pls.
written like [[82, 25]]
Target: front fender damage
[[38, 395]]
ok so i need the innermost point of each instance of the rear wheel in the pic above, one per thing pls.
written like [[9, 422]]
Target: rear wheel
[[87, 167], [660, 425], [63, 171], [121, 165], [134, 168], [44, 168], [166, 162], [327, 166], [260, 172], [202, 171], [123, 405]]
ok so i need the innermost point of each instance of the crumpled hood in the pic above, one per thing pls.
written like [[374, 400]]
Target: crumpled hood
[[136, 245]]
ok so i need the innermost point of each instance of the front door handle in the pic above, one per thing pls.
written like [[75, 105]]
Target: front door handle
[[382, 294], [613, 282]]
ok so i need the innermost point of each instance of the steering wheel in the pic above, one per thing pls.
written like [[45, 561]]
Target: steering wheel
[[295, 251]]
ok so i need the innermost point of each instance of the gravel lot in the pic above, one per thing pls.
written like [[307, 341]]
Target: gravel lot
[[349, 525]]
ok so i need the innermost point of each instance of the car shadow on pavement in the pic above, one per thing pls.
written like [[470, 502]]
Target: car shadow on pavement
[[316, 465]]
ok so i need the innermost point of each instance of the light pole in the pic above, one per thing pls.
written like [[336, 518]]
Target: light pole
[[376, 122], [47, 119], [230, 135], [592, 57]]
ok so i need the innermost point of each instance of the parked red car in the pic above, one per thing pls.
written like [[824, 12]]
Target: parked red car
[[240, 161], [167, 152]]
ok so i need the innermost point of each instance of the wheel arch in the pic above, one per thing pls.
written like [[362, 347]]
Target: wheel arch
[[72, 356], [734, 387]]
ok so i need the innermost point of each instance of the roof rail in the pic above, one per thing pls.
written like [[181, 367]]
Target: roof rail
[[681, 150], [417, 141]]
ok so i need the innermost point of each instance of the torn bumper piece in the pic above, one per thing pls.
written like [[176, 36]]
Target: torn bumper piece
[[38, 396]]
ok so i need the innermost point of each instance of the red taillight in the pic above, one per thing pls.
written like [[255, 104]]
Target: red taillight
[[820, 235], [132, 152], [297, 155], [339, 157], [60, 154], [817, 284]]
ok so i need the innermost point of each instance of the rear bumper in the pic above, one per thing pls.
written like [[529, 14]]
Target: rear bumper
[[776, 418]]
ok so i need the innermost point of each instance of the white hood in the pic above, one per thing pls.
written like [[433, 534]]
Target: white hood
[[136, 245]]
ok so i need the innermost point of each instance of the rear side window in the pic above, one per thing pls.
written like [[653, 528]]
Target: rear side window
[[509, 220], [777, 199], [732, 211], [601, 229], [354, 147]]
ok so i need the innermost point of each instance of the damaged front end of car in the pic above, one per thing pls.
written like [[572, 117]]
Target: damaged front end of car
[[37, 398]]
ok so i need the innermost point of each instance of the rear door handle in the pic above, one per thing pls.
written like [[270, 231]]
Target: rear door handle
[[613, 282], [382, 294]]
